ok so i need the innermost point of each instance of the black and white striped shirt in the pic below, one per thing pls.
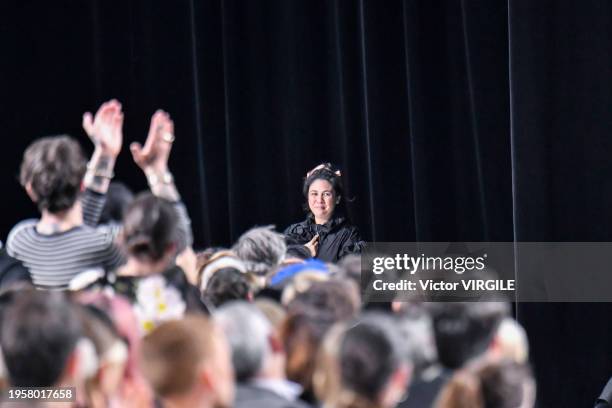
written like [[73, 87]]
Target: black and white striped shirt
[[54, 259]]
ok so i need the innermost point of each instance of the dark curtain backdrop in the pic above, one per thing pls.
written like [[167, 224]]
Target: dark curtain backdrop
[[473, 120]]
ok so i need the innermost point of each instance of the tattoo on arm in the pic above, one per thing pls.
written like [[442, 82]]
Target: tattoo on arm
[[99, 173]]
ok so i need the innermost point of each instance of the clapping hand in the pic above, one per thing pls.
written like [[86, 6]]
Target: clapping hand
[[154, 155], [105, 129], [312, 245]]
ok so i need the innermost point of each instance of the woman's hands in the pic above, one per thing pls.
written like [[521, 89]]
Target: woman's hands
[[312, 245], [153, 157], [156, 151], [105, 130]]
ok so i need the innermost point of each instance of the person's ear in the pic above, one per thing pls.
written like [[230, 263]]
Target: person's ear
[[206, 380], [396, 306], [170, 251], [495, 346], [30, 191], [397, 386], [402, 375], [73, 364], [276, 345]]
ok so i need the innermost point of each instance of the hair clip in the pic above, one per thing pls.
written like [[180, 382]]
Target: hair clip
[[326, 166]]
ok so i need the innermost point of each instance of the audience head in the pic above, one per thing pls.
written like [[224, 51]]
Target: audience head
[[309, 316], [334, 297], [272, 310], [225, 285], [52, 170], [350, 267], [133, 387], [362, 364], [111, 351], [150, 229], [121, 313], [206, 256], [251, 337], [415, 327], [261, 249], [298, 278], [208, 265], [188, 363], [39, 333], [464, 330], [489, 383], [118, 199], [7, 296]]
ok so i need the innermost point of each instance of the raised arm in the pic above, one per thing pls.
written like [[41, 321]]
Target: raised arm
[[153, 157], [105, 130], [153, 161]]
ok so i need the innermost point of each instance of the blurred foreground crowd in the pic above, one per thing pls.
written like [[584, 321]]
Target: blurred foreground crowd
[[104, 293]]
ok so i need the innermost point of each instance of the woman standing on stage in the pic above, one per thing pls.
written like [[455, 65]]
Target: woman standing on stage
[[326, 233]]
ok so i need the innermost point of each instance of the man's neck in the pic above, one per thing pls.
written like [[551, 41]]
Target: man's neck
[[52, 223]]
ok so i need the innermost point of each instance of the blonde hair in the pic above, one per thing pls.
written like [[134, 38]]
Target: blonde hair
[[172, 354], [489, 382]]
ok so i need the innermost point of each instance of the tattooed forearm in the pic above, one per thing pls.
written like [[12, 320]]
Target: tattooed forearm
[[99, 172]]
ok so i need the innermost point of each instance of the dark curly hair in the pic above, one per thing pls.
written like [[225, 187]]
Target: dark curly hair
[[225, 285], [53, 167], [331, 174]]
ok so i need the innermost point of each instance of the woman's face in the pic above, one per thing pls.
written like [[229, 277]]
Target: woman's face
[[321, 199]]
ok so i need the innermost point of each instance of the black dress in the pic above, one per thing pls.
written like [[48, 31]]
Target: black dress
[[337, 238]]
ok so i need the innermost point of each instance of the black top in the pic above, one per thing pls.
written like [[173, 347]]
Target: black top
[[12, 271], [423, 393], [337, 238]]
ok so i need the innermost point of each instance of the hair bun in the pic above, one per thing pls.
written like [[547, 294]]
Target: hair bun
[[327, 167], [140, 245]]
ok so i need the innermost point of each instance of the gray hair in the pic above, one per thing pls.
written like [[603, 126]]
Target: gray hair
[[247, 330], [261, 249], [416, 328]]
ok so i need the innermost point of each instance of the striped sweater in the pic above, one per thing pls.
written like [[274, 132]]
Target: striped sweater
[[54, 259]]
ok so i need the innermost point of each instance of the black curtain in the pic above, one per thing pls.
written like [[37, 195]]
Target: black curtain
[[462, 120], [561, 128]]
